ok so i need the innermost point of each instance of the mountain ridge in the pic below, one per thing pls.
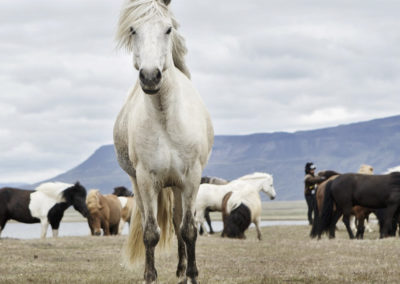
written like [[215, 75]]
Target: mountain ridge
[[342, 148]]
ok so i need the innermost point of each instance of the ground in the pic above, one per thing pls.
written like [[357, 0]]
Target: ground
[[285, 255]]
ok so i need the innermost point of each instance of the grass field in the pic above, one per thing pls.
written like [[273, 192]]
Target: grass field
[[285, 255]]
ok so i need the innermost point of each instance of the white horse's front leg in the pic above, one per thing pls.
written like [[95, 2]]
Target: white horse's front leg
[[151, 230], [188, 228], [55, 233], [45, 225]]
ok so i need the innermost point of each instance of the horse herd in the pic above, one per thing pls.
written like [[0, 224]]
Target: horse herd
[[358, 194], [106, 214]]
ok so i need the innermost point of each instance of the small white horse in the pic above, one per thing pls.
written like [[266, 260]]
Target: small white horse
[[163, 137], [127, 204], [245, 204]]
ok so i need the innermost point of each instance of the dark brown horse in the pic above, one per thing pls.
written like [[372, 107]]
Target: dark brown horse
[[360, 213], [104, 213], [122, 191], [371, 191]]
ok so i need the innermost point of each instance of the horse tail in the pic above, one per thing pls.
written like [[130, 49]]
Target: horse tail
[[225, 210], [134, 248], [327, 210]]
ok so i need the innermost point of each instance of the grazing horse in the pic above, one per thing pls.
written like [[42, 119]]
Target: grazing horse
[[127, 204], [163, 137], [46, 204], [243, 206], [122, 191], [209, 196], [371, 191], [104, 213], [210, 180]]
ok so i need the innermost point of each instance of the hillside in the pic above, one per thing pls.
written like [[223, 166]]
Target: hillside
[[343, 148]]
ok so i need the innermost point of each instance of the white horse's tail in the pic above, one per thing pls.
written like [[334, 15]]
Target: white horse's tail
[[134, 249]]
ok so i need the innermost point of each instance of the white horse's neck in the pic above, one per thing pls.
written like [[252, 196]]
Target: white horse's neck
[[161, 104]]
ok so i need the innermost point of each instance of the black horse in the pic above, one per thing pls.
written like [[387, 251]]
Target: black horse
[[44, 205], [122, 191], [371, 191]]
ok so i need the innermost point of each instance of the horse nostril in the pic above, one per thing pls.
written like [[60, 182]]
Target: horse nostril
[[141, 75], [158, 75]]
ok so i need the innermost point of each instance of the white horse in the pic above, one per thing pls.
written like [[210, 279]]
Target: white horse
[[163, 137], [242, 207], [127, 204], [207, 210]]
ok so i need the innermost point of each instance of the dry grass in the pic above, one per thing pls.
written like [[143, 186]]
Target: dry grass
[[286, 255]]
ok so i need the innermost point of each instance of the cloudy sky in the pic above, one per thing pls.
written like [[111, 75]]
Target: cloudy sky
[[260, 66]]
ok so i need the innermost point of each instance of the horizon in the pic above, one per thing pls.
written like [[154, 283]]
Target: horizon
[[31, 182]]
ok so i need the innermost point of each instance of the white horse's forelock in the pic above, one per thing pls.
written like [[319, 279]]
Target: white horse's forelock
[[136, 12]]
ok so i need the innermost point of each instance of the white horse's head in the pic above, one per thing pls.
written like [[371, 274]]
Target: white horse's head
[[268, 187], [148, 29]]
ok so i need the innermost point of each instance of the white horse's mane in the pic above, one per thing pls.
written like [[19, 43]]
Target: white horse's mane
[[135, 13], [256, 175], [53, 189]]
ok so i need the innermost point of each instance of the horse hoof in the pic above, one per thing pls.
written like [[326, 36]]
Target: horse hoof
[[189, 281]]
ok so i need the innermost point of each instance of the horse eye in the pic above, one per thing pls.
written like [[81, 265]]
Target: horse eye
[[168, 31], [132, 31]]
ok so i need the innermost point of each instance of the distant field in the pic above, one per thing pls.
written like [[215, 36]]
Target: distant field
[[285, 255], [272, 210]]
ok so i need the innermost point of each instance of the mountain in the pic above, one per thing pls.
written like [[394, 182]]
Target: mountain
[[343, 148]]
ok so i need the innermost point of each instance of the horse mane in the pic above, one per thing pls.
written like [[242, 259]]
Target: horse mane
[[136, 12], [255, 175], [53, 189], [366, 169], [93, 201]]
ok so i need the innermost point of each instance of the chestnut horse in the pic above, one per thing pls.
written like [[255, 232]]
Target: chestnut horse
[[104, 213]]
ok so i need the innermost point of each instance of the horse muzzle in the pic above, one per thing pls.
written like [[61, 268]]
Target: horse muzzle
[[150, 80]]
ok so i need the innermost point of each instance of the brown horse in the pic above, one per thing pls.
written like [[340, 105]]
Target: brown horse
[[104, 213], [127, 204]]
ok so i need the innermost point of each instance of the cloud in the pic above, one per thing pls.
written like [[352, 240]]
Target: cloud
[[260, 66]]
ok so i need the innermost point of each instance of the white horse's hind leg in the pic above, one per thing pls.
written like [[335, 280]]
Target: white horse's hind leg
[[367, 226], [55, 233], [353, 223], [45, 225], [121, 226], [204, 229], [257, 223]]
